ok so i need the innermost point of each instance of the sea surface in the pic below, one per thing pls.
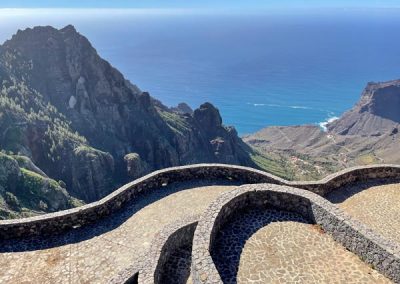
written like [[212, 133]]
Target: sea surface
[[258, 69]]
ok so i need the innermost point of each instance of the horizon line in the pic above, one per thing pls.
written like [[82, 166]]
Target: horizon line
[[180, 10]]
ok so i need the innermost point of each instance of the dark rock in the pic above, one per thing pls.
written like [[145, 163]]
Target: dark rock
[[9, 173], [93, 169], [135, 166], [182, 108], [60, 96], [208, 117]]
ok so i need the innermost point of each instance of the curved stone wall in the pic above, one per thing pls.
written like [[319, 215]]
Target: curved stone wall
[[380, 253], [164, 244], [151, 269], [349, 176], [54, 223]]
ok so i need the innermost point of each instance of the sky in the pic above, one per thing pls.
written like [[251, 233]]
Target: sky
[[200, 4]]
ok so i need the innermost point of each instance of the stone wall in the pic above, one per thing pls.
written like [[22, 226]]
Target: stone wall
[[58, 222], [164, 244], [349, 176], [382, 254], [151, 268]]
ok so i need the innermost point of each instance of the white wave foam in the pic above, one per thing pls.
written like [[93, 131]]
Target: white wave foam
[[283, 106], [300, 107], [323, 124]]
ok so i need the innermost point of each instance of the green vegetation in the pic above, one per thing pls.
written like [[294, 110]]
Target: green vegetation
[[28, 122], [275, 166], [41, 193], [291, 165], [367, 159], [12, 200], [9, 172], [24, 193], [88, 151], [21, 109], [176, 122]]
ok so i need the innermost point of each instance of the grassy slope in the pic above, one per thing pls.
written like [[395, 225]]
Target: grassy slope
[[31, 194]]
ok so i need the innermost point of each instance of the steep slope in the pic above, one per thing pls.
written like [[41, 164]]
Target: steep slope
[[377, 113], [24, 192], [80, 121], [366, 134]]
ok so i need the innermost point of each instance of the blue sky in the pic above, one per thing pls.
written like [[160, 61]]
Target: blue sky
[[200, 4]]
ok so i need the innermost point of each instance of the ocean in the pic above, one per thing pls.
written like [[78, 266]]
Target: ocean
[[258, 69]]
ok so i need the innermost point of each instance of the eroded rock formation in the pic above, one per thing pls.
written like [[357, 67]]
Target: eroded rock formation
[[76, 117]]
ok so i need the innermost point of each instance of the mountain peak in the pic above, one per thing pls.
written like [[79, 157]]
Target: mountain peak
[[378, 109], [208, 116], [30, 34], [69, 28], [44, 37], [383, 100], [69, 82]]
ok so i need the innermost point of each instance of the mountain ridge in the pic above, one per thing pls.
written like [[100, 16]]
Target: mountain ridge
[[80, 121], [74, 128], [366, 134]]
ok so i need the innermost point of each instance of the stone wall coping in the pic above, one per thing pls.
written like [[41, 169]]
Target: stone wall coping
[[153, 264], [338, 174], [150, 263], [204, 270], [116, 199]]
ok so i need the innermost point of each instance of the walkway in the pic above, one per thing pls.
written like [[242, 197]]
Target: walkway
[[281, 247], [95, 253], [377, 206]]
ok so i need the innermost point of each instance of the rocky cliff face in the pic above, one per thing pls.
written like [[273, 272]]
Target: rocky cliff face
[[76, 117], [366, 134], [377, 112]]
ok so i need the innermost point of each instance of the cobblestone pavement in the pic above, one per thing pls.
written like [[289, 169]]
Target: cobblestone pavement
[[377, 206], [272, 246], [177, 268], [96, 253]]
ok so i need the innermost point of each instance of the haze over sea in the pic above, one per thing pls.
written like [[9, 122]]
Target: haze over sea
[[258, 69]]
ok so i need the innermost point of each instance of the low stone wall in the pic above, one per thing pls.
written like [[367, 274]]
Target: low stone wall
[[164, 244], [58, 222], [382, 254], [349, 176], [151, 267]]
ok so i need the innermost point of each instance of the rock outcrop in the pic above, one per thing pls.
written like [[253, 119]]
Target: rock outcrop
[[77, 118], [182, 108], [92, 173], [366, 134], [377, 113], [135, 166]]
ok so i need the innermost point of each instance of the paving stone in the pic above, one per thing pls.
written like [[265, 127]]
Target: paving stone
[[375, 205], [95, 253], [281, 247]]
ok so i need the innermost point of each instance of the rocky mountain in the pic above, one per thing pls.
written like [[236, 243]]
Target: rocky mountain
[[72, 129], [377, 113], [366, 134], [77, 120]]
